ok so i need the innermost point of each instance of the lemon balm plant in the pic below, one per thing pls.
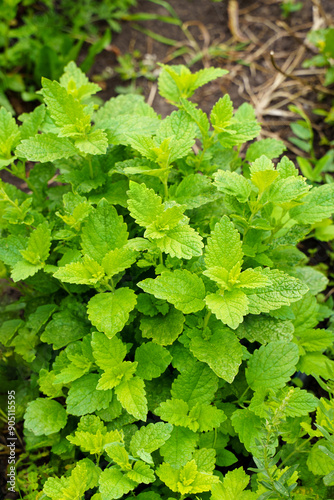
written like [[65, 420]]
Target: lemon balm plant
[[163, 304]]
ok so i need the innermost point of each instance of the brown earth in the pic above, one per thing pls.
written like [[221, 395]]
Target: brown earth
[[211, 34]]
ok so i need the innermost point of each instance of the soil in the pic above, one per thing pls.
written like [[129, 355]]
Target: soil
[[210, 27]]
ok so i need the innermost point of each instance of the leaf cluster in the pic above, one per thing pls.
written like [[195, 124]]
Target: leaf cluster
[[164, 308]]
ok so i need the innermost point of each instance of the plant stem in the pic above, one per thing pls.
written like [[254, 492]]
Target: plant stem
[[206, 319], [243, 395], [165, 188]]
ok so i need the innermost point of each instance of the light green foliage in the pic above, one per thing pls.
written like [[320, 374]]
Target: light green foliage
[[110, 311], [152, 360], [234, 184], [35, 255], [132, 396], [224, 248], [198, 384], [176, 82], [165, 225], [233, 487], [163, 330], [188, 479], [9, 137], [222, 341], [103, 231], [45, 416], [241, 292], [271, 148], [114, 484], [179, 448], [181, 288], [149, 439], [92, 436], [249, 428], [83, 477], [128, 341], [46, 147], [83, 397], [272, 365]]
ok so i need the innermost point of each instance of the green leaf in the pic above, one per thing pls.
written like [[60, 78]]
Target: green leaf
[[233, 486], [76, 82], [314, 279], [23, 269], [92, 436], [318, 205], [116, 374], [224, 248], [207, 416], [176, 82], [315, 363], [66, 326], [299, 402], [107, 352], [283, 290], [152, 360], [45, 416], [222, 113], [114, 484], [38, 245], [249, 428], [233, 184], [32, 122], [222, 340], [317, 462], [182, 242], [66, 111], [83, 477], [242, 128], [198, 384], [45, 147], [186, 480], [205, 459], [286, 168], [197, 115], [93, 143], [119, 455], [271, 366], [286, 190], [144, 205], [141, 473], [85, 272], [110, 311], [181, 288], [271, 148], [9, 137], [83, 397], [149, 439], [103, 231], [314, 340], [194, 191], [179, 448], [163, 330], [175, 411], [35, 254], [230, 307], [264, 329], [131, 394], [118, 260]]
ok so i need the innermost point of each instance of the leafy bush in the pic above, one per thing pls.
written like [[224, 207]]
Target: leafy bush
[[164, 308]]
